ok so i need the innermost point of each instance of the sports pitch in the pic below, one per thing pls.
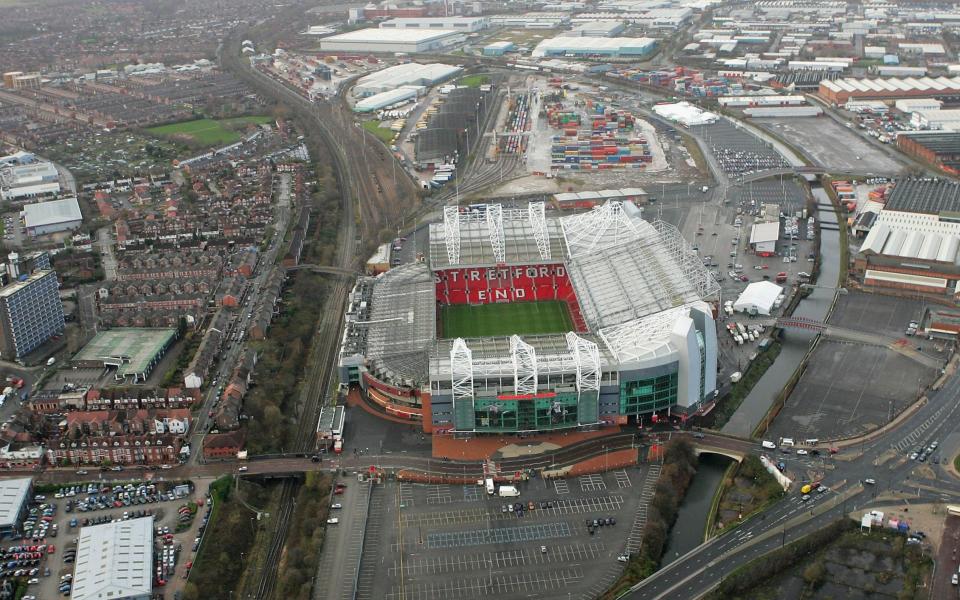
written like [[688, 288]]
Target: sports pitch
[[521, 318]]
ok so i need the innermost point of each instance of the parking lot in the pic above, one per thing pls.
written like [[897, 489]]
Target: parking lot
[[739, 152], [848, 389], [832, 145], [66, 520], [454, 541]]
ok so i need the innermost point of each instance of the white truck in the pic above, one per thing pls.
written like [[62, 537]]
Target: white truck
[[491, 489], [508, 491]]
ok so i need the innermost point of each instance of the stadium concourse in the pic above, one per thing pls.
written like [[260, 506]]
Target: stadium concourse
[[519, 323]]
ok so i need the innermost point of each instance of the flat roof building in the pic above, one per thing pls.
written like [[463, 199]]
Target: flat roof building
[[597, 29], [498, 48], [392, 40], [764, 236], [115, 561], [134, 351], [589, 47], [468, 24], [14, 496], [52, 216], [398, 76]]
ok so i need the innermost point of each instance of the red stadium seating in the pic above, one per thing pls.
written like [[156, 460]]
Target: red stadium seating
[[486, 285]]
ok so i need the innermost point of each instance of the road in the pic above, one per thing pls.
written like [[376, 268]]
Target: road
[[698, 572], [241, 320], [107, 256]]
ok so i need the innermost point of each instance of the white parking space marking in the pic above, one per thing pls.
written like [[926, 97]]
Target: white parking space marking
[[623, 479], [560, 485], [592, 483], [439, 494]]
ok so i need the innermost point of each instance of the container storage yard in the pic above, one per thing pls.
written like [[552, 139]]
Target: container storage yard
[[598, 137]]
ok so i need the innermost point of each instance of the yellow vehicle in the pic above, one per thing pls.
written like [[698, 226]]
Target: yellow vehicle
[[806, 489]]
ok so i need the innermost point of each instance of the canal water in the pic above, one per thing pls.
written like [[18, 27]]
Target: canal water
[[687, 532], [795, 342]]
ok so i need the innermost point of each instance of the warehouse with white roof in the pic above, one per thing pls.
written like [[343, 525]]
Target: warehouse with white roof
[[914, 241], [592, 47], [114, 561], [397, 76], [14, 496], [52, 216], [392, 40]]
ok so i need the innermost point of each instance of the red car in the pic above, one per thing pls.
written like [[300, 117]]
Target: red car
[[51, 549]]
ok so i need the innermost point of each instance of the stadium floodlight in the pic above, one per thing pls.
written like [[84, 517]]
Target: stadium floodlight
[[586, 355], [495, 229], [524, 366], [536, 213], [451, 233], [461, 371]]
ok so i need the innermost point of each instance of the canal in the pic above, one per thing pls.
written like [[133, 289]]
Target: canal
[[795, 342], [687, 532]]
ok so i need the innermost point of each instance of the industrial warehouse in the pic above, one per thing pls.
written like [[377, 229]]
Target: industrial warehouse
[[522, 323], [392, 40], [913, 244]]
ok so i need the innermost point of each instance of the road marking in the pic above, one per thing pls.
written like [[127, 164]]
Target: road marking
[[561, 487], [623, 479]]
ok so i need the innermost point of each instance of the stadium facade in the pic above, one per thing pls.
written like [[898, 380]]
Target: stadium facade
[[643, 339]]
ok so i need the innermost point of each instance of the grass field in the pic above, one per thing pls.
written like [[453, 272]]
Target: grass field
[[522, 318], [373, 126], [474, 81], [208, 132]]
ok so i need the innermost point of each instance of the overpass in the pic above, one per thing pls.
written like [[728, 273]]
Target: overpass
[[327, 269], [899, 345], [802, 171]]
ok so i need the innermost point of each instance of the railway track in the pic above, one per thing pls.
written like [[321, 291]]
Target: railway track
[[318, 121]]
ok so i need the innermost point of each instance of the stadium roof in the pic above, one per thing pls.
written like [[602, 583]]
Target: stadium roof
[[114, 561], [401, 321], [929, 196], [489, 234], [633, 279], [13, 493], [52, 212]]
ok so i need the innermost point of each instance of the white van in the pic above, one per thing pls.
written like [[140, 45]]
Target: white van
[[768, 445], [812, 441], [786, 441]]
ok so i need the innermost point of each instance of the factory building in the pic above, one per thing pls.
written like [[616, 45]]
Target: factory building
[[542, 20], [465, 24], [498, 48], [115, 561], [913, 245], [939, 148], [603, 29], [585, 47], [20, 182], [389, 98], [392, 40], [839, 91], [15, 495], [52, 216], [409, 74]]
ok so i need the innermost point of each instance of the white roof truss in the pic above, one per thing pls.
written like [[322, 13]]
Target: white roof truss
[[524, 366], [461, 371], [538, 221], [451, 230]]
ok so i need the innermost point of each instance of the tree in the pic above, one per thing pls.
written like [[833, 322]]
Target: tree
[[814, 574]]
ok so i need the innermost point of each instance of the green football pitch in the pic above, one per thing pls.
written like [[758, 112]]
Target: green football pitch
[[521, 318]]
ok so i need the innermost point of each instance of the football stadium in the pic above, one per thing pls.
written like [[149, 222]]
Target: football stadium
[[520, 323]]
